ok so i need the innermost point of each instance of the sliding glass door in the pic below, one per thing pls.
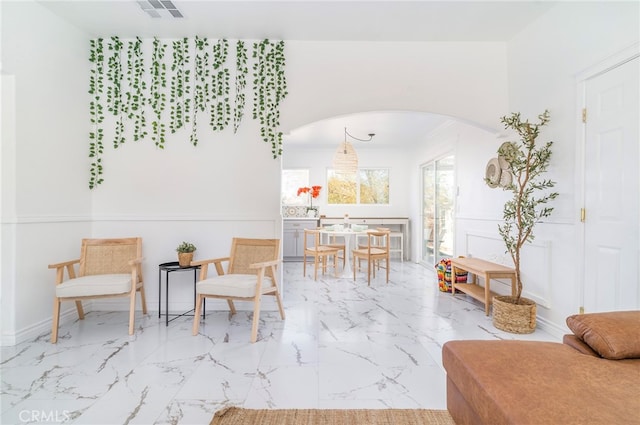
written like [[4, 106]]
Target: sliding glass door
[[438, 206]]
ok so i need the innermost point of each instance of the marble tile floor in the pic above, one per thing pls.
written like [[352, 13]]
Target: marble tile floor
[[342, 345]]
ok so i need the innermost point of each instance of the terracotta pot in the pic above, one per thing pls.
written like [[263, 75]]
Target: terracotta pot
[[185, 258], [515, 318]]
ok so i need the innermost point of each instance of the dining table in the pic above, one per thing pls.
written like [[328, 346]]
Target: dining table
[[349, 235]]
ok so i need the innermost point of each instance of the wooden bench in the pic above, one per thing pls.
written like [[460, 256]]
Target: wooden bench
[[484, 269]]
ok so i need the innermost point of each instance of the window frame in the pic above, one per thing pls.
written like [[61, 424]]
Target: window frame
[[358, 189]]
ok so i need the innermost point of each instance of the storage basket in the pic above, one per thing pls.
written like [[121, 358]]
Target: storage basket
[[514, 318]]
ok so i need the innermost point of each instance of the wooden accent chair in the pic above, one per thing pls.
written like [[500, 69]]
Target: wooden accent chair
[[319, 252], [251, 273], [376, 249], [107, 268]]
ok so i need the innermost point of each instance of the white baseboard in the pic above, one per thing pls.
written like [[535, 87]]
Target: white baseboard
[[551, 328], [38, 330]]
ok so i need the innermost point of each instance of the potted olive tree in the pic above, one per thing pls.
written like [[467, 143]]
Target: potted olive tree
[[527, 163], [185, 253]]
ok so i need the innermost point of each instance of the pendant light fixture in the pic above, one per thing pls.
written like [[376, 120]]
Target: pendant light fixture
[[345, 160]]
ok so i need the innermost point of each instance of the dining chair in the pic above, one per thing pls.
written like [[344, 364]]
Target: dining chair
[[377, 242], [376, 249], [107, 268], [332, 241], [319, 252], [251, 273]]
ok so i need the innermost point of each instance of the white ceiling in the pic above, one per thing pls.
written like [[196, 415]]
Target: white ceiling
[[318, 20], [309, 20]]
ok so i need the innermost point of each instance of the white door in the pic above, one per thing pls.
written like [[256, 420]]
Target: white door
[[612, 187]]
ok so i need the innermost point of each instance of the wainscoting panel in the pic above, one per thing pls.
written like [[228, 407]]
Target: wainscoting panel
[[535, 264]]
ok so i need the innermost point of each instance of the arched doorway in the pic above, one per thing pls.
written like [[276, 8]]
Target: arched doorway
[[404, 143]]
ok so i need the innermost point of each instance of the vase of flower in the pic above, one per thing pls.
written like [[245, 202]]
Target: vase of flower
[[313, 192]]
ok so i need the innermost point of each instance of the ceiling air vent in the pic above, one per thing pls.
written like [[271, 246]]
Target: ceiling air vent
[[160, 8]]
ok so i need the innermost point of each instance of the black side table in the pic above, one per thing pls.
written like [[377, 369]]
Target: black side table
[[168, 268]]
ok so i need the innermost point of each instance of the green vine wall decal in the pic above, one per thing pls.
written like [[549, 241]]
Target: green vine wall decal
[[241, 83], [157, 96], [180, 87], [137, 87], [220, 109], [270, 89], [96, 111], [114, 90], [200, 82], [201, 88]]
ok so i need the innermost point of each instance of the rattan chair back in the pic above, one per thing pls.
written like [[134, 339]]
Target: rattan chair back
[[106, 256], [245, 252]]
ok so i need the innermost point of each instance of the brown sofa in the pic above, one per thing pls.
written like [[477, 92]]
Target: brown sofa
[[593, 377]]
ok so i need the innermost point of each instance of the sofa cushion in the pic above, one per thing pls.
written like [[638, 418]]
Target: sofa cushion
[[613, 335], [579, 345]]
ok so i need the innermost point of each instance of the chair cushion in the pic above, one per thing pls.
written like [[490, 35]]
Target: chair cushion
[[233, 285], [100, 284]]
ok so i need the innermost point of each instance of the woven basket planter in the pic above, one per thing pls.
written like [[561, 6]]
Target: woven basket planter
[[185, 258], [514, 318]]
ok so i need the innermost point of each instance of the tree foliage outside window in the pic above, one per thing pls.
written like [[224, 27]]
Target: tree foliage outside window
[[342, 188], [367, 186]]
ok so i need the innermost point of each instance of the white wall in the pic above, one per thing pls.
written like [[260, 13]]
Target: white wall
[[45, 202]]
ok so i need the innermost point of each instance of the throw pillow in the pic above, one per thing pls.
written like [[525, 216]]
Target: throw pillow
[[613, 335]]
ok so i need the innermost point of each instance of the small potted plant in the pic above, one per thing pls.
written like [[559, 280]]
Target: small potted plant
[[185, 253]]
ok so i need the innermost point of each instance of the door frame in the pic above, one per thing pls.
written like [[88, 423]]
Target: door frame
[[609, 63]]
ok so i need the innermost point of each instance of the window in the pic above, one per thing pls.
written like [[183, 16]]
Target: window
[[367, 186], [291, 181]]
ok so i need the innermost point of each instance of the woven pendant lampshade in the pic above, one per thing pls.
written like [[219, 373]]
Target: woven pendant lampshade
[[345, 159]]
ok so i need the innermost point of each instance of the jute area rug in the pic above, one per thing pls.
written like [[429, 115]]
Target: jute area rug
[[239, 416]]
